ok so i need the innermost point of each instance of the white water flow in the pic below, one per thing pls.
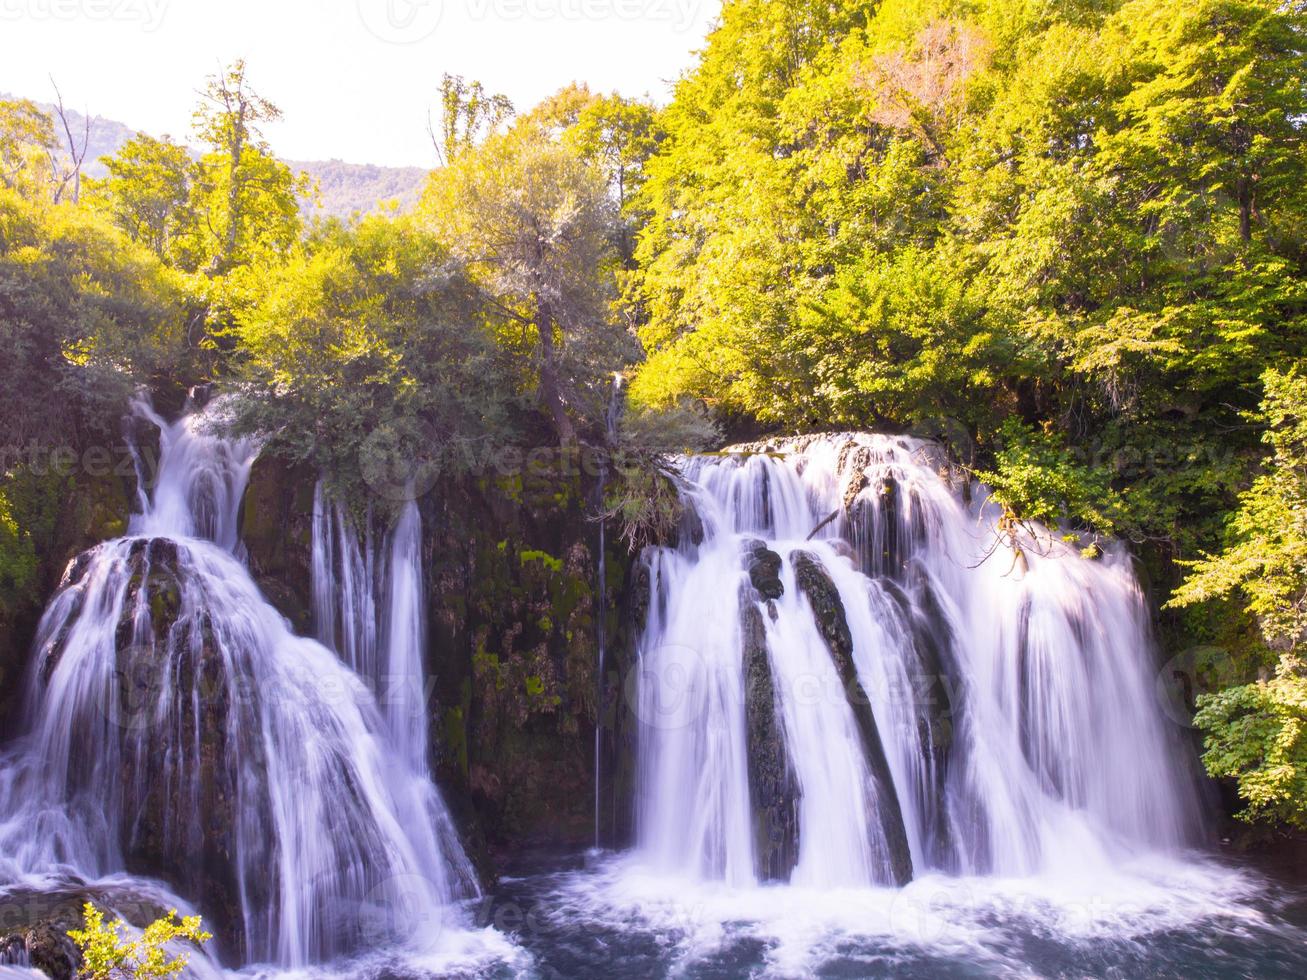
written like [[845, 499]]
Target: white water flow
[[344, 585], [369, 608], [177, 728], [1006, 683]]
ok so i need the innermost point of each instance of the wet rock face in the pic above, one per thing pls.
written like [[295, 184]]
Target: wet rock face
[[886, 524], [764, 568], [276, 528], [170, 675], [828, 610], [689, 530], [34, 929], [932, 645], [640, 594], [854, 460], [513, 594], [773, 790], [815, 583]]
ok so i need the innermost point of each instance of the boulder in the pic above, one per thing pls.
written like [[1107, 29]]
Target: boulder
[[34, 924], [170, 675], [764, 568]]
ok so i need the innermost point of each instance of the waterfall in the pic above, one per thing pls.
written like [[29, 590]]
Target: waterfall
[[404, 686], [371, 610], [612, 417], [860, 674], [175, 726], [344, 586]]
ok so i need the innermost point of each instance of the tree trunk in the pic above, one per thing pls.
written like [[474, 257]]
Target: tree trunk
[[1245, 192], [233, 200], [550, 390]]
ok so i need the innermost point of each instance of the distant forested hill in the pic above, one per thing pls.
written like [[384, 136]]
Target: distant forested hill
[[343, 188]]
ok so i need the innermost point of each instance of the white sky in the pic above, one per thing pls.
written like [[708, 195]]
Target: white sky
[[354, 78]]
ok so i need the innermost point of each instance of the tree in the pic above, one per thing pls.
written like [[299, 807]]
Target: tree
[[533, 223], [86, 316], [1256, 734], [468, 114], [26, 142], [147, 193], [618, 135], [66, 166], [1265, 557], [370, 331], [246, 194]]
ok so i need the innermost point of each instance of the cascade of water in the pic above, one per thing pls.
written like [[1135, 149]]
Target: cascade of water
[[176, 725], [200, 482], [404, 688], [611, 419], [372, 612], [858, 674], [344, 586]]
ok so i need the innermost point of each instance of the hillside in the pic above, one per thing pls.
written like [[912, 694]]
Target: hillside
[[347, 188], [343, 188]]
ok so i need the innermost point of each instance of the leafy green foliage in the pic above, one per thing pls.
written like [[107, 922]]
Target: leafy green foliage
[[1257, 735], [246, 195], [1266, 548], [645, 505], [26, 142], [85, 316], [532, 223], [1083, 216], [369, 330], [17, 559], [468, 115], [1037, 479], [109, 953], [147, 193]]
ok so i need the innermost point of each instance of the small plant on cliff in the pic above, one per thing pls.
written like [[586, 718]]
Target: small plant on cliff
[[108, 953]]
